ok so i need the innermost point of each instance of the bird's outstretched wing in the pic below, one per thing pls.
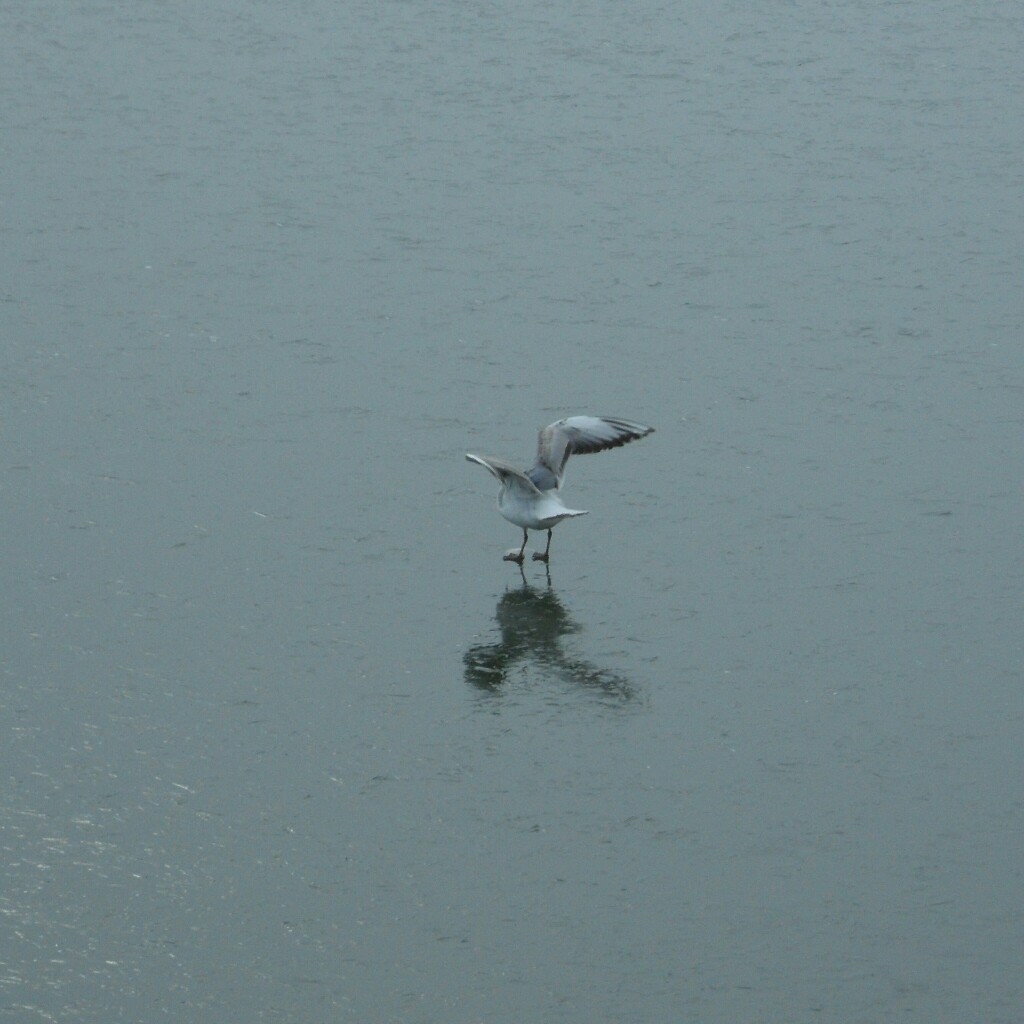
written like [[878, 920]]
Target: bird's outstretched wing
[[578, 435], [513, 478]]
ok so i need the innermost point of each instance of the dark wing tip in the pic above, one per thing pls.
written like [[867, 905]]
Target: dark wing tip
[[630, 431]]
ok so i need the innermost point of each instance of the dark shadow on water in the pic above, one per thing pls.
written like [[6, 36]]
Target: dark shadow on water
[[532, 622]]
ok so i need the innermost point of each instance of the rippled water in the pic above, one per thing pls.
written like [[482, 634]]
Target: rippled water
[[283, 737]]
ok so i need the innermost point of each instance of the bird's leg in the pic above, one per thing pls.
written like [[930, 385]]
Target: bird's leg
[[517, 556], [538, 557]]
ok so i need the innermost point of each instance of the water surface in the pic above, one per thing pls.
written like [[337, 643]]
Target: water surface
[[283, 737]]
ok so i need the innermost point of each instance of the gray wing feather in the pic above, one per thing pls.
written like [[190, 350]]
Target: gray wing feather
[[578, 435], [506, 473]]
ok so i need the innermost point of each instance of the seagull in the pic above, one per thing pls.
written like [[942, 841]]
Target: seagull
[[530, 499]]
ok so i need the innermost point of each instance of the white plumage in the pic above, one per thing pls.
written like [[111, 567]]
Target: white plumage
[[530, 499]]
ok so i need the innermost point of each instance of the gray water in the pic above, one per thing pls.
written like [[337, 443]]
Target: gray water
[[284, 739]]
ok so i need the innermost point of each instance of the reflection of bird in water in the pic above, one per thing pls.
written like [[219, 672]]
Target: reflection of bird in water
[[532, 624]]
